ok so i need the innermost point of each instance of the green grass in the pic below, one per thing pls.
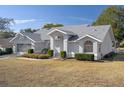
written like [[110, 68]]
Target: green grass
[[54, 73]]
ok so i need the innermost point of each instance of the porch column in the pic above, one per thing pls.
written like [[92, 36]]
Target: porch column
[[14, 48], [95, 50], [65, 43], [51, 43]]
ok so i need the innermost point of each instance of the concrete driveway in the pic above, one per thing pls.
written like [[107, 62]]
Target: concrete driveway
[[7, 56]]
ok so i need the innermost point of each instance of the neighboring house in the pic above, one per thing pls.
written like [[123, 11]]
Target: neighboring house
[[24, 41], [97, 40], [4, 43]]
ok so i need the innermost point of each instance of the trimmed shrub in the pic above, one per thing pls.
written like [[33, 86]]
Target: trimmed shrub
[[45, 56], [63, 54], [36, 56], [44, 51], [30, 51], [8, 51], [50, 53], [1, 52], [88, 57]]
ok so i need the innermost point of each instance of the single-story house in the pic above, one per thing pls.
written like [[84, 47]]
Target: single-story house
[[4, 43], [97, 40], [87, 39]]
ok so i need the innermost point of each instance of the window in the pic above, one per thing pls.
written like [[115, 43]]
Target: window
[[57, 37], [88, 46], [99, 47]]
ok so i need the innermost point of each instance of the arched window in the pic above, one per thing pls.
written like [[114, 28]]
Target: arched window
[[88, 46]]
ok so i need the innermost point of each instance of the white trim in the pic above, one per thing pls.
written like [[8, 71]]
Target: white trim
[[22, 35], [90, 37], [15, 36], [56, 30]]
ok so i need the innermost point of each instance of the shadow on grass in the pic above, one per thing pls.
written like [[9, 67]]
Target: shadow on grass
[[115, 57]]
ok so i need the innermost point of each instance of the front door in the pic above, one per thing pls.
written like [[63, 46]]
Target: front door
[[58, 47], [57, 52]]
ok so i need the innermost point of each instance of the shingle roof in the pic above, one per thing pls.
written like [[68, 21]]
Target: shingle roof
[[98, 32], [77, 31], [43, 34], [33, 36]]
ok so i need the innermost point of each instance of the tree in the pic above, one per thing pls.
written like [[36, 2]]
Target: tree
[[5, 24], [28, 30], [6, 34], [5, 31], [49, 26], [114, 16]]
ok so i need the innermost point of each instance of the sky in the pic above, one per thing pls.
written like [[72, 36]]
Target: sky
[[36, 16]]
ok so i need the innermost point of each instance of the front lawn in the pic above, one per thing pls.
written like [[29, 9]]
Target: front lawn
[[22, 72]]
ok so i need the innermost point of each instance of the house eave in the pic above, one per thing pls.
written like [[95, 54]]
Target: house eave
[[88, 36], [22, 35], [56, 30]]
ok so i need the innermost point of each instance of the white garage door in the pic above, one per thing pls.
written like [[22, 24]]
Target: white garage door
[[23, 47]]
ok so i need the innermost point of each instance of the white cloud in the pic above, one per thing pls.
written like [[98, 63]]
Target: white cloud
[[24, 21]]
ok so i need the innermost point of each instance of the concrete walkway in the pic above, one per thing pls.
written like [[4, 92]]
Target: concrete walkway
[[7, 56]]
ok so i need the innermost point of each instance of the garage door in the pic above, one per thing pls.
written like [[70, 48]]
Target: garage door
[[23, 47]]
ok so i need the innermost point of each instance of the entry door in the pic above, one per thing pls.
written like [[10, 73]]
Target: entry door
[[57, 49]]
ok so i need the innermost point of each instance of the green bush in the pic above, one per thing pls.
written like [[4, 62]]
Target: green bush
[[36, 56], [44, 51], [89, 57], [30, 51], [50, 53], [45, 56], [122, 45], [8, 51], [63, 54], [1, 52]]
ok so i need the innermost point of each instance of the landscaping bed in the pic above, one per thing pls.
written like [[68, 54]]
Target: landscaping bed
[[36, 56]]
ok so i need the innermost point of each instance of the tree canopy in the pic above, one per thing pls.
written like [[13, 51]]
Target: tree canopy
[[5, 31], [28, 30], [7, 34], [49, 26], [114, 16], [5, 24]]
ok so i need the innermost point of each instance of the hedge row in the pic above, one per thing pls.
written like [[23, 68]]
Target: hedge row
[[36, 56], [89, 57], [7, 51], [78, 56]]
